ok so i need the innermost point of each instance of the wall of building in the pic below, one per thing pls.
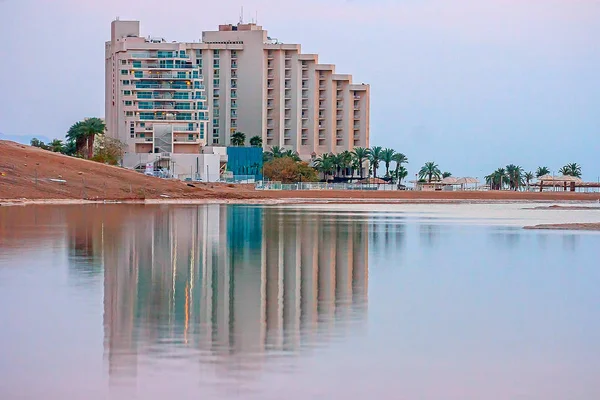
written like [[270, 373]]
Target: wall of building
[[309, 108], [245, 161]]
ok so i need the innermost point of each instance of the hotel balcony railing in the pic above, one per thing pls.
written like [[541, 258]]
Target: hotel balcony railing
[[164, 86], [186, 77], [166, 118], [148, 54], [164, 107], [186, 139], [164, 66], [184, 129]]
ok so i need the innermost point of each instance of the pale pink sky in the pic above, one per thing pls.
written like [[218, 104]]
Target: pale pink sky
[[452, 81]]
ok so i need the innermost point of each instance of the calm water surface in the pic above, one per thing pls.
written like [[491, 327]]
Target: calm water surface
[[240, 302]]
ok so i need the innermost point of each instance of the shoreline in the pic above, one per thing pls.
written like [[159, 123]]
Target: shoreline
[[578, 204], [575, 226]]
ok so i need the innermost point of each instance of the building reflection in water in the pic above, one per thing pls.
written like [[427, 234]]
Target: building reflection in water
[[234, 283]]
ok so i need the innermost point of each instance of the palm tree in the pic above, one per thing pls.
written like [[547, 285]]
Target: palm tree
[[446, 174], [89, 128], [541, 171], [291, 154], [401, 173], [430, 170], [572, 169], [361, 154], [496, 179], [75, 134], [515, 176], [375, 158], [256, 141], [399, 159], [324, 164], [528, 177], [238, 139], [387, 156], [338, 163], [345, 161], [276, 152], [56, 146]]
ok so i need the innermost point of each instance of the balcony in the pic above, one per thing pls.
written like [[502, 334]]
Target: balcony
[[184, 76], [234, 65], [164, 86], [165, 118], [165, 66], [140, 139], [233, 105], [184, 129], [186, 140]]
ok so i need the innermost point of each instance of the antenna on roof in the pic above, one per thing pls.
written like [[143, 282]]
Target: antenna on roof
[[242, 15], [256, 18]]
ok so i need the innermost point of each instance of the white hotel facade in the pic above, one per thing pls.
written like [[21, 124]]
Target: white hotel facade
[[178, 98]]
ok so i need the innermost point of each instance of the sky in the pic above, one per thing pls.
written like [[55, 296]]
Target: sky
[[472, 85]]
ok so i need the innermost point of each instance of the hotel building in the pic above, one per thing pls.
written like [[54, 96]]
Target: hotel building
[[172, 97]]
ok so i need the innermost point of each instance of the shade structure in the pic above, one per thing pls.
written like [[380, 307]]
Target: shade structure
[[559, 179], [449, 181], [467, 181]]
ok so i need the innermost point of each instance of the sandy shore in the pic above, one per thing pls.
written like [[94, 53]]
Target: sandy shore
[[33, 176], [583, 226]]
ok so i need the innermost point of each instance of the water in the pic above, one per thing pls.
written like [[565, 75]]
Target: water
[[296, 302]]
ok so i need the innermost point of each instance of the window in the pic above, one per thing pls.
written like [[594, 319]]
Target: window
[[125, 83], [233, 53], [216, 53], [216, 82], [216, 63], [128, 103], [198, 52], [215, 102], [123, 62], [126, 92], [215, 122], [215, 140], [129, 113], [124, 72], [216, 73]]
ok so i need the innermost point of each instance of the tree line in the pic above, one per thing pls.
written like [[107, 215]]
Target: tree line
[[344, 164], [80, 142], [514, 177]]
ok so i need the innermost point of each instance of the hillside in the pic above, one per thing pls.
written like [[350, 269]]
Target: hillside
[[21, 164]]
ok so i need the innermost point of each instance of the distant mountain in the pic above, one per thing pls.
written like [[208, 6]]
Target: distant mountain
[[24, 139]]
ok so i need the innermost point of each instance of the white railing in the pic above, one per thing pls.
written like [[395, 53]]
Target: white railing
[[270, 185]]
